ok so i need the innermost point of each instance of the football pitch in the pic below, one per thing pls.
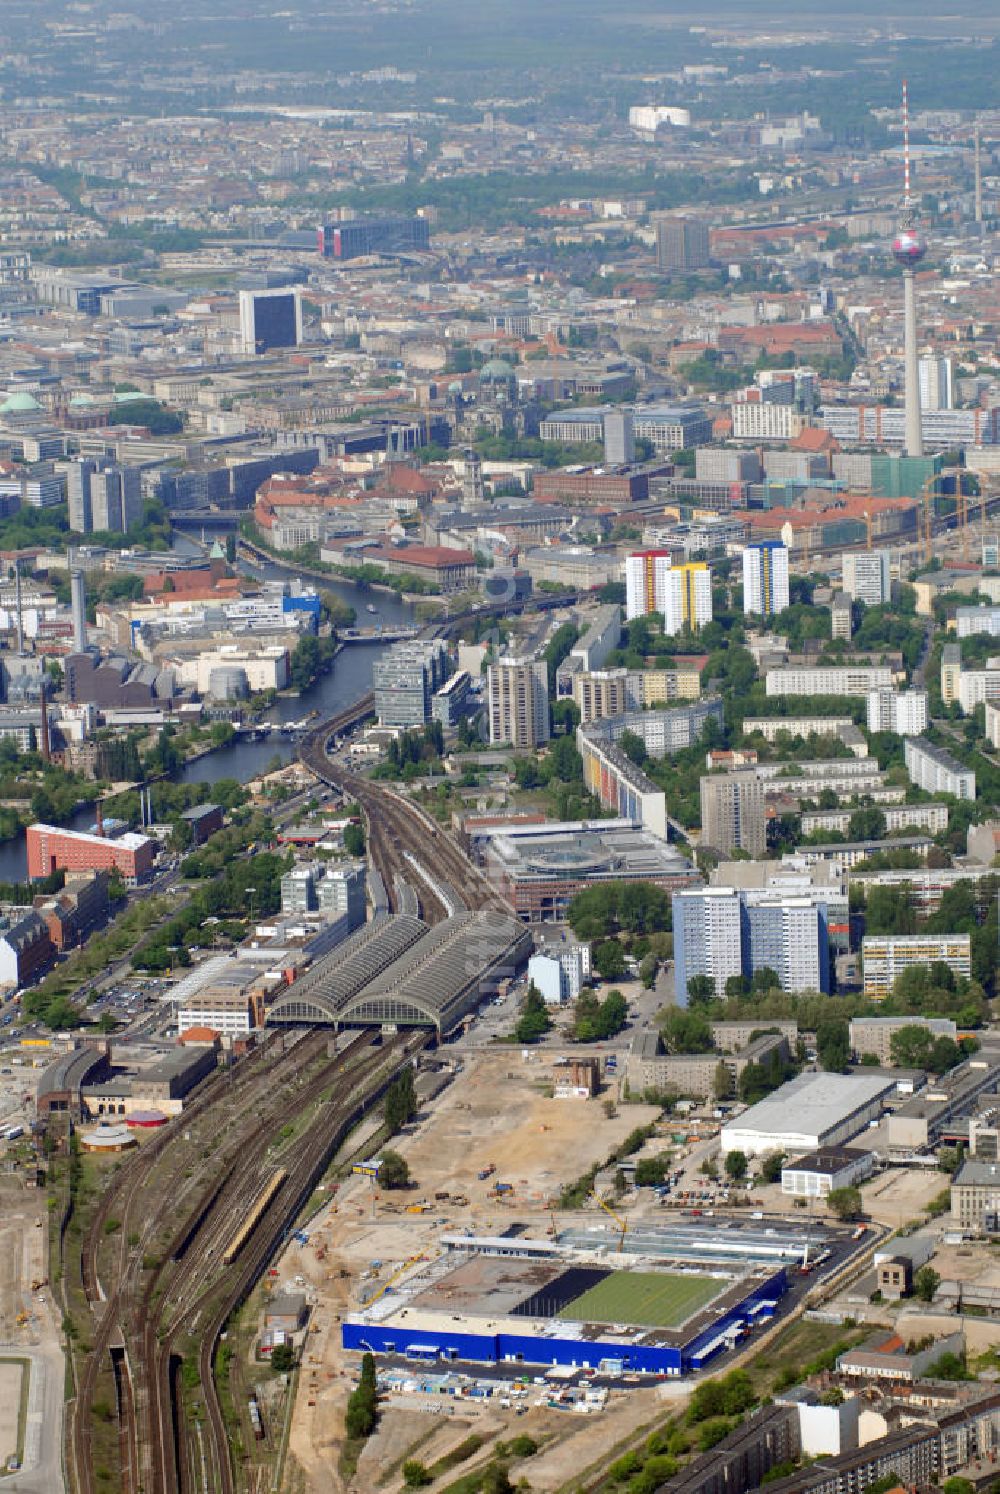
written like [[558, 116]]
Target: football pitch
[[654, 1299]]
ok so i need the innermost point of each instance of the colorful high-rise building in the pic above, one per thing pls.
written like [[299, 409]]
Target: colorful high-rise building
[[765, 578], [682, 594]]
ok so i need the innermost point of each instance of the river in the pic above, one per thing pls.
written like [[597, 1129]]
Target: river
[[349, 677]]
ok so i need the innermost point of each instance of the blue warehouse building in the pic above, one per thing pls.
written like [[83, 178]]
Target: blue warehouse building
[[476, 1337]]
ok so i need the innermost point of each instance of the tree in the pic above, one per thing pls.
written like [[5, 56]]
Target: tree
[[394, 1171], [534, 1020], [496, 1480], [400, 1101], [354, 840], [736, 1165], [846, 1203], [282, 1359], [648, 971], [701, 989], [651, 1171], [763, 980], [833, 1045], [926, 1283], [609, 960], [362, 1406], [866, 824], [633, 747], [722, 1081], [770, 1168], [416, 1474], [685, 1031]]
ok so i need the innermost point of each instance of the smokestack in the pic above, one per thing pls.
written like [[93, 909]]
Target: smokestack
[[44, 744], [100, 819], [909, 249], [979, 179], [17, 604], [78, 602]]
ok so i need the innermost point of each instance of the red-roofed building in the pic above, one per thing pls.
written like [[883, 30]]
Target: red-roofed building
[[451, 570], [803, 339]]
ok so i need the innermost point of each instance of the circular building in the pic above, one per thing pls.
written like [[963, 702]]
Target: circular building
[[108, 1138], [146, 1119]]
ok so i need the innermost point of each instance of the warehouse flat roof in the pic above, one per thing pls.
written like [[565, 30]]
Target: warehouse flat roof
[[813, 1103]]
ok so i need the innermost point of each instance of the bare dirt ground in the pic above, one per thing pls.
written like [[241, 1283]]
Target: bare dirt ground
[[22, 1262], [10, 1403], [496, 1111], [900, 1194]]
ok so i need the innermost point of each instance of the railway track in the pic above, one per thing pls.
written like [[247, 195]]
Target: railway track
[[174, 1279], [126, 1221], [393, 827]]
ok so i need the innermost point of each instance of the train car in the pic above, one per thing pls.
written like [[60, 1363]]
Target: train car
[[248, 1226]]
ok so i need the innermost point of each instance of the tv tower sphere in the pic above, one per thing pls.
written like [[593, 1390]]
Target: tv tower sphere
[[908, 247]]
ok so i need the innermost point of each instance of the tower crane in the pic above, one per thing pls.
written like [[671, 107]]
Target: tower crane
[[619, 1219]]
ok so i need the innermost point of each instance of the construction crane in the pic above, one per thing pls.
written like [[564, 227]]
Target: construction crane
[[962, 501], [621, 1222], [928, 499]]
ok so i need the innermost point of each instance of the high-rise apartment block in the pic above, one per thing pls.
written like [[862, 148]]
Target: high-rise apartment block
[[723, 931], [765, 578], [518, 701], [733, 813], [682, 594], [270, 319], [681, 244], [866, 577], [707, 938], [404, 680], [901, 711]]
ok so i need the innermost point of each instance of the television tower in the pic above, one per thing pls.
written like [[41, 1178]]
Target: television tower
[[909, 249]]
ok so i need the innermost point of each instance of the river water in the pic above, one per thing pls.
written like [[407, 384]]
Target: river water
[[349, 677]]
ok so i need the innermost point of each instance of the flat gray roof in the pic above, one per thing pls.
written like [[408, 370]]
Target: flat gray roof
[[813, 1103]]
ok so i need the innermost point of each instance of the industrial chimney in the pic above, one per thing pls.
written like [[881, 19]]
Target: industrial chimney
[[78, 601]]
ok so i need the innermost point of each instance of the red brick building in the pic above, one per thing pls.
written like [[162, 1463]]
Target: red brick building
[[50, 848]]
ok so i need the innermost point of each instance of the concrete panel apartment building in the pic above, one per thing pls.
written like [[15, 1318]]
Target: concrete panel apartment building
[[937, 771], [835, 680], [733, 812], [884, 957]]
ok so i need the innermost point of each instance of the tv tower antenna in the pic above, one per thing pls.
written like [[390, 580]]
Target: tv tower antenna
[[908, 250]]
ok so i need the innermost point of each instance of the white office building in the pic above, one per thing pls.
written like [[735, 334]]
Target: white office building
[[901, 711]]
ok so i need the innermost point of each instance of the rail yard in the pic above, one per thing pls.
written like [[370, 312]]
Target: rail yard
[[181, 1233], [403, 842]]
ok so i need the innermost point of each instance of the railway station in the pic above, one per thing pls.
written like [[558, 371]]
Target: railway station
[[395, 972]]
